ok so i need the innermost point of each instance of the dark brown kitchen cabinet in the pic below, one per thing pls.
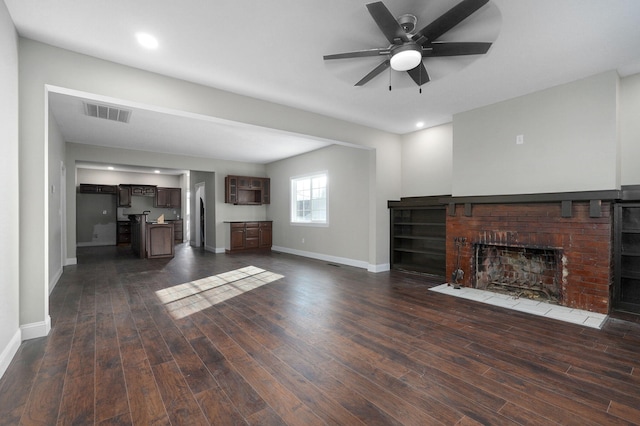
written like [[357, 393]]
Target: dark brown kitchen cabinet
[[124, 196], [124, 233], [265, 235], [160, 240], [266, 191], [168, 197], [249, 236], [177, 230], [89, 188], [143, 190], [246, 190]]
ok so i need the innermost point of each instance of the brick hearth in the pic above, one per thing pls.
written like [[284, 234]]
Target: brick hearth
[[585, 242]]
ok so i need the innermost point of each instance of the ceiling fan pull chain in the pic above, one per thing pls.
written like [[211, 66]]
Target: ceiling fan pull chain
[[420, 85], [389, 78]]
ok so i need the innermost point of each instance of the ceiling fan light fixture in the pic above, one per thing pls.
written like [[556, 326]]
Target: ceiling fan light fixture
[[406, 57]]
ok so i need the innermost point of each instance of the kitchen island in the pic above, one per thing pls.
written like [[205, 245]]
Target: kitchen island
[[151, 239]]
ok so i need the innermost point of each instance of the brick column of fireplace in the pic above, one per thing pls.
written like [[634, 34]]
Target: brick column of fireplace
[[585, 242]]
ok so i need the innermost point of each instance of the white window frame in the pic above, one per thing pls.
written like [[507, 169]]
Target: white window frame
[[293, 200]]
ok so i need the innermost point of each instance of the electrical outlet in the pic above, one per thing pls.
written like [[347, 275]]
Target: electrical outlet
[[104, 212], [303, 241], [519, 139]]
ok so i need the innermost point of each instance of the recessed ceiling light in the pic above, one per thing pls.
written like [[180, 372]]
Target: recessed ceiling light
[[110, 168], [147, 40], [156, 171], [420, 124]]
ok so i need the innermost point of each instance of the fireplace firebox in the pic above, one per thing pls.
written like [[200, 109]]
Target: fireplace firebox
[[531, 272]]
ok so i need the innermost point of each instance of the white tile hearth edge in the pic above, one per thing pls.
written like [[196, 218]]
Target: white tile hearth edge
[[547, 310]]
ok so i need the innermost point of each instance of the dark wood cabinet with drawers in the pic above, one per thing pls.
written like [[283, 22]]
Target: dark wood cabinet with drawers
[[124, 232], [178, 234], [249, 236]]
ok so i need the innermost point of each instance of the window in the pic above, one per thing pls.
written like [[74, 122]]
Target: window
[[309, 199]]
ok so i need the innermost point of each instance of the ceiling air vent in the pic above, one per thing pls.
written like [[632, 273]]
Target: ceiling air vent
[[107, 112]]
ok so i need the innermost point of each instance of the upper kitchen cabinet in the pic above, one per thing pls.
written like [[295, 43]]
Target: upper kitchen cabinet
[[247, 190], [89, 188], [168, 197], [124, 196], [143, 190]]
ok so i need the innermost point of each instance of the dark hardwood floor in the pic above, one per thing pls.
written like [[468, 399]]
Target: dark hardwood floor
[[275, 339]]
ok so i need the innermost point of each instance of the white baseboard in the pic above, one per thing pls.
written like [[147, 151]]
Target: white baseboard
[[36, 329], [96, 244], [325, 257], [384, 267], [10, 351], [54, 280], [71, 261], [220, 250]]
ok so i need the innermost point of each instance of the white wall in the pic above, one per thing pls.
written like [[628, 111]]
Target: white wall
[[55, 158], [570, 142], [427, 162], [630, 129], [10, 335], [427, 155], [345, 238], [114, 177]]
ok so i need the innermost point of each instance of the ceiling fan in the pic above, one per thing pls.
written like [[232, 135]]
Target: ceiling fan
[[409, 46]]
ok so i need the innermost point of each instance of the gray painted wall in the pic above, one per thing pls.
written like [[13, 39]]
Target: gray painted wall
[[570, 142], [427, 162], [345, 237], [55, 210], [9, 216], [630, 129]]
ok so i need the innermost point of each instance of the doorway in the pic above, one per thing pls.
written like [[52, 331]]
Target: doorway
[[200, 221]]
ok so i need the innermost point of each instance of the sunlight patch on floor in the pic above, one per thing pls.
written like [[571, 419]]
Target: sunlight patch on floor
[[188, 298]]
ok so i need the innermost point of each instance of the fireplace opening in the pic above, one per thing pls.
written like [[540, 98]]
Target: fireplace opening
[[531, 272]]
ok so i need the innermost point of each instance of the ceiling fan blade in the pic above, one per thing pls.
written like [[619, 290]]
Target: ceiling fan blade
[[377, 70], [387, 23], [450, 19], [419, 74], [455, 48], [358, 54]]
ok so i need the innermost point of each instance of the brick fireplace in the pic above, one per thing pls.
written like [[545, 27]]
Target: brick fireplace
[[576, 236]]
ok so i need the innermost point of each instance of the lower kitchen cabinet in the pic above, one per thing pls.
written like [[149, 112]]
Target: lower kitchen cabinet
[[178, 230], [160, 240], [249, 236], [124, 233]]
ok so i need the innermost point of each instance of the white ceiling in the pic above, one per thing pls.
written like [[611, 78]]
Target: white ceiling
[[273, 51]]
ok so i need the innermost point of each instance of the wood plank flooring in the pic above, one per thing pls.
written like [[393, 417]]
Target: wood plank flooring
[[301, 342]]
